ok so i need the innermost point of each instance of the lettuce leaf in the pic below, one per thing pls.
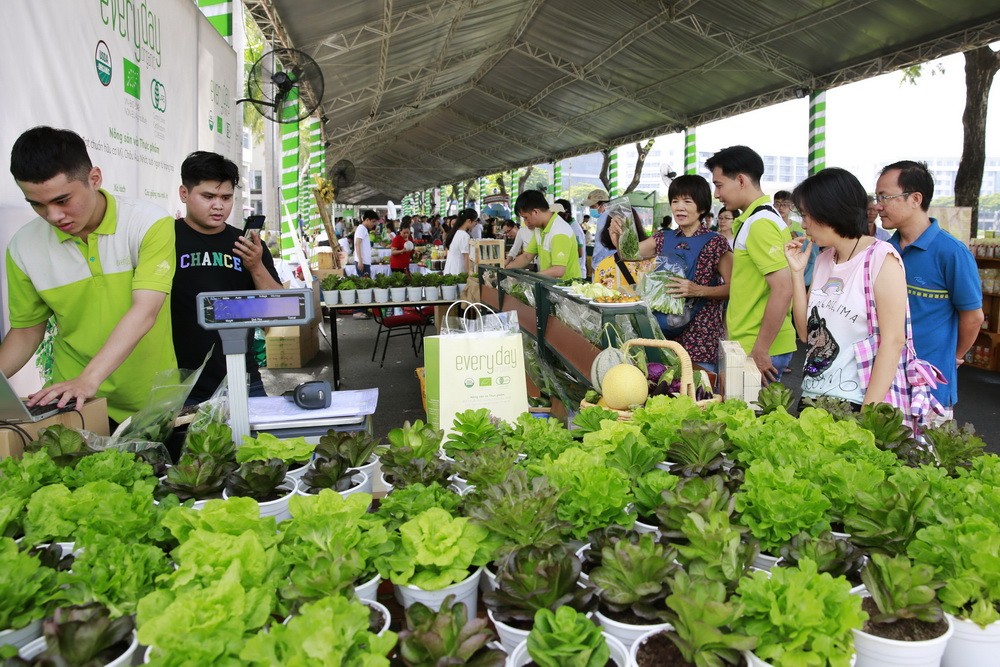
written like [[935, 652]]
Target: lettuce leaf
[[267, 446], [28, 591], [776, 504]]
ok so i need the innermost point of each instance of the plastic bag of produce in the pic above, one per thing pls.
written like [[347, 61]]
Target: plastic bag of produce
[[673, 313], [628, 243]]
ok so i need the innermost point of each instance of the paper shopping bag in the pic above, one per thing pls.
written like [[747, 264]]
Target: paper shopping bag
[[468, 371]]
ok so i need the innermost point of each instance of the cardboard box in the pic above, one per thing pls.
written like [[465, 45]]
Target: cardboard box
[[291, 347], [324, 258], [94, 419]]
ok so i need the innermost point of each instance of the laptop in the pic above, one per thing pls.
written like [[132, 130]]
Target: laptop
[[13, 409]]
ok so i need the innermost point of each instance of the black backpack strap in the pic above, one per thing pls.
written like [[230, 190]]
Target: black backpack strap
[[626, 274]]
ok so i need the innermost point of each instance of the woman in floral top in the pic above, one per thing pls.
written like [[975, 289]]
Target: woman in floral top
[[707, 281]]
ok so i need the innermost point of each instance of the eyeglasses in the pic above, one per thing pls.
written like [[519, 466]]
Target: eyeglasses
[[881, 199], [783, 204]]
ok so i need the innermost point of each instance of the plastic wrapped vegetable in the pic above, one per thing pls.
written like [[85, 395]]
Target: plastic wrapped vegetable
[[628, 243], [653, 289]]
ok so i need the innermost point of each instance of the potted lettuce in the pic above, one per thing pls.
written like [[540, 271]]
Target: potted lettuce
[[715, 550], [700, 633], [407, 502], [412, 456], [415, 288], [84, 635], [432, 286], [199, 478], [334, 473], [397, 286], [380, 292], [449, 287], [906, 625], [365, 287], [533, 578], [360, 448], [776, 504], [799, 616], [328, 286], [267, 482], [446, 637], [472, 430], [295, 452], [331, 543], [331, 631], [567, 637], [28, 591], [348, 291], [438, 555], [633, 582], [483, 467]]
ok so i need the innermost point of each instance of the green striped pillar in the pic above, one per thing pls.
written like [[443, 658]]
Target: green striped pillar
[[690, 151], [514, 176], [317, 159], [220, 14], [613, 173], [460, 194], [557, 188], [817, 131], [289, 174]]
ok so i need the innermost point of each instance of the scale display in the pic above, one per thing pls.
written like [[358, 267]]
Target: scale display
[[271, 308]]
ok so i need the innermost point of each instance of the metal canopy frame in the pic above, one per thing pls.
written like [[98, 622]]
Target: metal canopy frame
[[422, 93]]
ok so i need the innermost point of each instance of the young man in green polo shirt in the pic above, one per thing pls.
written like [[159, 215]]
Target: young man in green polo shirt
[[101, 264], [552, 241], [759, 313]]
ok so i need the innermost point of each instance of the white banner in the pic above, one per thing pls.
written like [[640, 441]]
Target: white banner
[[144, 82]]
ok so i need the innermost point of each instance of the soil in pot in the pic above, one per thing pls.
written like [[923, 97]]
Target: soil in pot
[[609, 663], [904, 630], [627, 616], [659, 651], [376, 619]]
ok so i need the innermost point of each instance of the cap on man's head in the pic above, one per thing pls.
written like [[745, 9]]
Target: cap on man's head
[[596, 195]]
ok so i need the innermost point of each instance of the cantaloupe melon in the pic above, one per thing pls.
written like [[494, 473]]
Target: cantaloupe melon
[[623, 386]]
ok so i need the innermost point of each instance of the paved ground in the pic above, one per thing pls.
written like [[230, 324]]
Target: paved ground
[[399, 391]]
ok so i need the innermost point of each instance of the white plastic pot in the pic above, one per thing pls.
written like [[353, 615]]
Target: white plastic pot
[[466, 591], [369, 466], [297, 472], [30, 651], [619, 654], [972, 645], [388, 485], [358, 481], [460, 485], [277, 508], [365, 295], [414, 293], [765, 562], [348, 296], [432, 293], [880, 652], [449, 292], [331, 297], [369, 589], [22, 636], [381, 294], [584, 577], [641, 527], [397, 293], [488, 582], [510, 636], [628, 633], [754, 661]]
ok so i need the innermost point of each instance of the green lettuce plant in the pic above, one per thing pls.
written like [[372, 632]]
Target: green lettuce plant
[[407, 502], [833, 555], [702, 619], [115, 574], [606, 536], [633, 578], [197, 477], [65, 446], [446, 637], [588, 420], [215, 440], [591, 493], [776, 504], [566, 638], [27, 590], [887, 517], [699, 449], [715, 550], [19, 478], [902, 589], [775, 396], [799, 616], [965, 554], [472, 430], [258, 480], [634, 456], [885, 423], [356, 447], [112, 465], [702, 495], [412, 455], [328, 473], [647, 492], [539, 437], [436, 550], [840, 481], [329, 283], [519, 512], [662, 416], [838, 408], [330, 631], [86, 635], [954, 447], [347, 284], [485, 466], [267, 446], [532, 578]]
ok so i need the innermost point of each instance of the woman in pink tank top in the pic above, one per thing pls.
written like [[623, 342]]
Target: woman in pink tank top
[[833, 315]]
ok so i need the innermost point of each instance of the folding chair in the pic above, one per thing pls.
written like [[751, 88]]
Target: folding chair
[[407, 324]]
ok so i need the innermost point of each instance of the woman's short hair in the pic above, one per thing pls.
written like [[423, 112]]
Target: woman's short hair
[[695, 187], [834, 197]]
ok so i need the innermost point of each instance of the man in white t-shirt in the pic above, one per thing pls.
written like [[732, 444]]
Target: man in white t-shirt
[[476, 233], [521, 235], [363, 242]]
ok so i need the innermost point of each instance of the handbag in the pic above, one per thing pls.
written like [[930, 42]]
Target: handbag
[[915, 378]]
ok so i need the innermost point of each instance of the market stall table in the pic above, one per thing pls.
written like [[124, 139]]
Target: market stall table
[[332, 310], [383, 269]]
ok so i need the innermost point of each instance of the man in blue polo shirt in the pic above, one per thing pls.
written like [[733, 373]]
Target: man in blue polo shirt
[[946, 297]]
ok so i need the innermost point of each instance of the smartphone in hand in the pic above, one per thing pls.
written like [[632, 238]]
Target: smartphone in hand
[[253, 223]]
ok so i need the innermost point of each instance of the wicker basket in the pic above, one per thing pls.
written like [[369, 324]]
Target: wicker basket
[[687, 373]]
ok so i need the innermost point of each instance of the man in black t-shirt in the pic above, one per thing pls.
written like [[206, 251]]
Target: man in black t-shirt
[[213, 256]]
